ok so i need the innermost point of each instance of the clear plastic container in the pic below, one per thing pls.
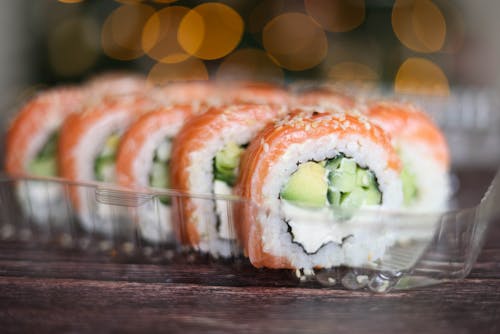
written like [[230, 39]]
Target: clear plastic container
[[412, 249]]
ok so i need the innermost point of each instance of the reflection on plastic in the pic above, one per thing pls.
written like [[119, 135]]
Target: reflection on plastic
[[420, 249]]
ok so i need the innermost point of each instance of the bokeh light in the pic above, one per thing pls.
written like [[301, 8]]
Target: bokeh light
[[337, 15], [122, 31], [249, 65], [421, 76], [70, 1], [159, 37], [210, 31], [190, 69], [295, 41], [419, 25], [353, 72], [73, 46]]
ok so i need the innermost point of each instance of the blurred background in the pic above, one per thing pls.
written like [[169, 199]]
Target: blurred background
[[430, 45], [430, 48]]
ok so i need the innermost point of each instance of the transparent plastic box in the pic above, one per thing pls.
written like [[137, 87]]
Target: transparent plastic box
[[414, 249]]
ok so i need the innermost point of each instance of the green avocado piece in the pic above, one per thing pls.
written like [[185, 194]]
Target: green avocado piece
[[351, 186], [159, 177], [229, 157], [226, 162], [49, 150], [101, 165], [110, 146], [46, 166], [343, 178], [410, 189], [364, 178], [333, 164], [372, 195], [353, 199], [333, 197], [45, 162], [307, 186]]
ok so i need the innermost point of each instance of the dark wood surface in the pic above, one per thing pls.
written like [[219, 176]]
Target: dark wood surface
[[47, 290]]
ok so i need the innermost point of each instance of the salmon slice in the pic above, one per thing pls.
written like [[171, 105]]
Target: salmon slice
[[255, 92], [116, 83], [324, 97], [407, 123]]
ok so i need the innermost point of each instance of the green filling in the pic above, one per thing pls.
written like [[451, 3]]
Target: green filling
[[104, 164], [160, 175], [339, 182], [410, 189], [45, 162], [307, 186], [226, 163]]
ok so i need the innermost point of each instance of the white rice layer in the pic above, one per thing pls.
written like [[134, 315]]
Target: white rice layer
[[431, 178]]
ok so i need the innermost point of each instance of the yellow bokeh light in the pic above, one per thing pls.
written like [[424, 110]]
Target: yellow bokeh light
[[421, 76], [159, 37], [190, 69], [249, 65], [210, 31], [351, 72], [337, 15], [73, 46], [295, 41], [122, 31], [70, 1], [419, 25]]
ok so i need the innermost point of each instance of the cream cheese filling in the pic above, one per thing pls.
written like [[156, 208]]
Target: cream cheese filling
[[225, 229], [313, 228]]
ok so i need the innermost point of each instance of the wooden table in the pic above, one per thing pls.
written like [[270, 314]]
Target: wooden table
[[45, 290]]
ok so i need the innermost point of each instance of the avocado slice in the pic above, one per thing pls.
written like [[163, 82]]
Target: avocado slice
[[46, 166], [410, 189], [104, 164], [307, 186], [226, 162], [351, 186], [45, 162], [159, 178], [159, 175], [343, 178]]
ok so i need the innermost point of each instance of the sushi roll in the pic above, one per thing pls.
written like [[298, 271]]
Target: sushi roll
[[116, 83], [195, 93], [307, 178], [423, 151], [254, 92], [323, 97], [143, 159], [31, 150], [87, 150], [204, 160]]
